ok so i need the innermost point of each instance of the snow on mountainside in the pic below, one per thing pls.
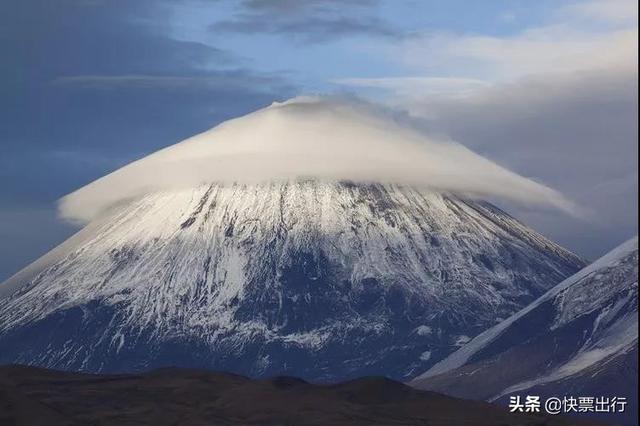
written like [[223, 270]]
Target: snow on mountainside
[[579, 332], [321, 280]]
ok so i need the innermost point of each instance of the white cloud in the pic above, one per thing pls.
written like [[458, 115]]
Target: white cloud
[[550, 49], [302, 138], [557, 102], [611, 11], [583, 36], [409, 87], [577, 132]]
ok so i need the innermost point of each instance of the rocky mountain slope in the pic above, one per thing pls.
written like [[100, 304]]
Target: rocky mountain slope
[[578, 339], [321, 280]]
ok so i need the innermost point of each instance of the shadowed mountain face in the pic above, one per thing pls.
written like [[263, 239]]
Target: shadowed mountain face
[[324, 281], [33, 397], [579, 339]]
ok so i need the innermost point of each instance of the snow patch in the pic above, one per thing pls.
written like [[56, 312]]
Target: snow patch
[[423, 330]]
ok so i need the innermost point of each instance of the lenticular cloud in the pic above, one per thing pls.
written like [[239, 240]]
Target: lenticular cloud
[[309, 138]]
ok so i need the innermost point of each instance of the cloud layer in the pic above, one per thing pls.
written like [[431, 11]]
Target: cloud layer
[[556, 99], [310, 138], [309, 20]]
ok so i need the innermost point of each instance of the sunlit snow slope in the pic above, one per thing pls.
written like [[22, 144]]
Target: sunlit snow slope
[[314, 279]]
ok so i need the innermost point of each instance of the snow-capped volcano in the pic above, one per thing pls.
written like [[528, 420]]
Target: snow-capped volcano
[[310, 279], [321, 278]]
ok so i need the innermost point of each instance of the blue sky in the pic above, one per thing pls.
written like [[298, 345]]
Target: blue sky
[[546, 88], [315, 60]]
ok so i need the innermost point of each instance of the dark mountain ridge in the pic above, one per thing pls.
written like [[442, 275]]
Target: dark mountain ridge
[[33, 396]]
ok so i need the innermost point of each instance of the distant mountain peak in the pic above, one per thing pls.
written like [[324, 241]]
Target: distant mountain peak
[[578, 339]]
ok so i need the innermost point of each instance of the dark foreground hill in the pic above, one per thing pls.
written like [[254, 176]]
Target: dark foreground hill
[[34, 396]]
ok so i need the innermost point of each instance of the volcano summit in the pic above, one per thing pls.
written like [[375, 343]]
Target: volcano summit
[[312, 239]]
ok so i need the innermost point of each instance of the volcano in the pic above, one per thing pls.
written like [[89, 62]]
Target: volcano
[[320, 277]]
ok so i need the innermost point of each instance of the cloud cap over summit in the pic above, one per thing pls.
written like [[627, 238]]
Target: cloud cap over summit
[[322, 138]]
